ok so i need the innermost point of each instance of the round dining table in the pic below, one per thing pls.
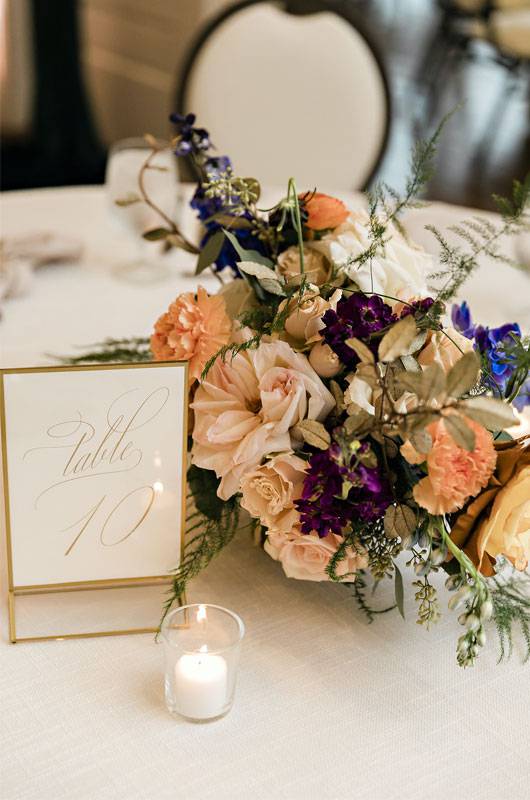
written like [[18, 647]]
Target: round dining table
[[328, 707]]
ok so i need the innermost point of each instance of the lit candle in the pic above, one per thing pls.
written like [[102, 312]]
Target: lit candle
[[201, 686]]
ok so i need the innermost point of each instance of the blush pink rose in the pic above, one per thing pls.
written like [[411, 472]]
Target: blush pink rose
[[247, 406], [445, 348], [306, 556], [454, 474], [193, 329], [269, 491]]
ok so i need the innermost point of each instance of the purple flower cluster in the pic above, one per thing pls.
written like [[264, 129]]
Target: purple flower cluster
[[357, 316], [491, 343], [325, 508], [192, 140], [417, 306]]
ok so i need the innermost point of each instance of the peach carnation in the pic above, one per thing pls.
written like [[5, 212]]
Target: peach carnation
[[193, 329], [306, 556], [323, 211], [454, 474]]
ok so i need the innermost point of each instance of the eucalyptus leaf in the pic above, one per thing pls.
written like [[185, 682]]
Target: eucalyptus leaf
[[210, 252], [156, 234], [247, 255], [314, 433], [463, 375], [400, 520], [398, 339], [460, 431], [365, 354], [128, 200], [398, 590], [410, 364], [434, 383], [231, 221], [493, 414], [273, 286], [255, 268], [421, 440]]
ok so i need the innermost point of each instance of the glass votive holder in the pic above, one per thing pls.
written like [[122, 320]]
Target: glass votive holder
[[201, 644]]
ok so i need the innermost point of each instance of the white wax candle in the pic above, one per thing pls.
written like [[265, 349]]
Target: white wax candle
[[201, 685]]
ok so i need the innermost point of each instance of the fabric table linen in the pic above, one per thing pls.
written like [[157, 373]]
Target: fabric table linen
[[327, 707]]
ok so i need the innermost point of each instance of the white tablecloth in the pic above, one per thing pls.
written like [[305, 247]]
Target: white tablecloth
[[327, 707]]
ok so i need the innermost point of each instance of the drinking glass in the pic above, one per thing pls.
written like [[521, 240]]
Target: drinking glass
[[125, 160]]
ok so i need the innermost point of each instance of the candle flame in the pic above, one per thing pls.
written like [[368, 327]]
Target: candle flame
[[201, 614], [158, 486]]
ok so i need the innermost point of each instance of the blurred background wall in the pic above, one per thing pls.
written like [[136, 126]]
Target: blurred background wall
[[78, 75]]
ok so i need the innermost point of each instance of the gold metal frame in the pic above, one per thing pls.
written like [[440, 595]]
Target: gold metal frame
[[75, 586]]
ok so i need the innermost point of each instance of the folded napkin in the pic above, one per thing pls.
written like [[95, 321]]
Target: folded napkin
[[21, 255]]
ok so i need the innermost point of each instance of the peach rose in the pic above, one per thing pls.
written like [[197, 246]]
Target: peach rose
[[323, 211], [246, 407], [316, 267], [454, 474], [269, 491], [193, 329], [306, 556], [445, 348], [497, 522]]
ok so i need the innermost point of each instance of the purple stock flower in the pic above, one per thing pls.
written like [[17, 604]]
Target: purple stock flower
[[417, 306], [357, 316], [335, 492]]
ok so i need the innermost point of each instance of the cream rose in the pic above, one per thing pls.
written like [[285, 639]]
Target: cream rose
[[246, 407], [305, 320], [269, 491], [316, 266], [400, 270], [306, 556], [445, 348], [506, 530]]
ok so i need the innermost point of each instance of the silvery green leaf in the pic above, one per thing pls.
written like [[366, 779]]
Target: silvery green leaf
[[493, 414], [364, 352], [398, 590], [210, 251], [460, 431], [463, 375], [314, 433], [247, 255], [400, 520], [129, 199], [398, 339]]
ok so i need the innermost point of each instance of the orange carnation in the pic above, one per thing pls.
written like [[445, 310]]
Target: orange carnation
[[454, 474], [193, 329], [323, 211]]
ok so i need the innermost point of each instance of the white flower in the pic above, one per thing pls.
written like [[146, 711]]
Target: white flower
[[399, 271]]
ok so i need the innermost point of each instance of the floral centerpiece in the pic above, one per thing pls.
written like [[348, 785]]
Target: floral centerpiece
[[334, 401]]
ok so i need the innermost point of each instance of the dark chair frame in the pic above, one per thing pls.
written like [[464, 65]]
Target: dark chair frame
[[346, 10]]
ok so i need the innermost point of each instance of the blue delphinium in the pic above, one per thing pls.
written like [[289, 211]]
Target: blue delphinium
[[192, 140], [492, 344]]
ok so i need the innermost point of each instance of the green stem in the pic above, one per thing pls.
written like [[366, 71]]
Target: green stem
[[297, 220], [459, 554]]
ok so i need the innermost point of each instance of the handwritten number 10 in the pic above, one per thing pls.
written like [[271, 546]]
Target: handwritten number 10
[[85, 520]]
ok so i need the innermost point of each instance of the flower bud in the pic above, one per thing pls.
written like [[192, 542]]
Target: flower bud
[[472, 622], [324, 361], [486, 610]]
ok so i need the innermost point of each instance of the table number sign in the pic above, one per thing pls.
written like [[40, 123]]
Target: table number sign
[[94, 471]]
